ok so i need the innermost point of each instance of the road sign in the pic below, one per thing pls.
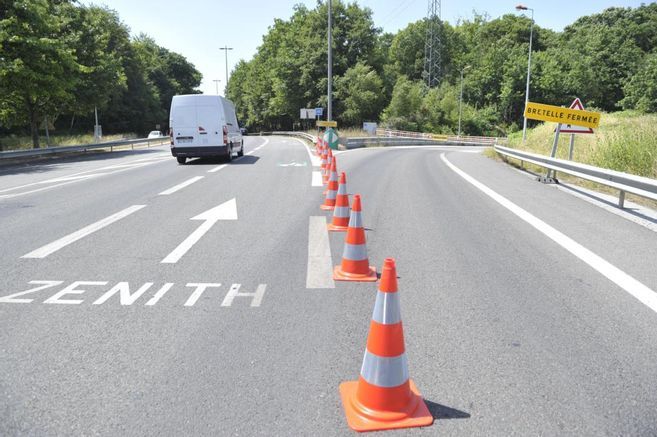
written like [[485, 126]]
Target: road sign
[[331, 138], [323, 123], [305, 113], [319, 112], [571, 129], [556, 114]]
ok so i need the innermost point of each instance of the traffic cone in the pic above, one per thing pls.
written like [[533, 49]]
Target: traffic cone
[[327, 170], [324, 159], [384, 397], [332, 189], [341, 211], [355, 265]]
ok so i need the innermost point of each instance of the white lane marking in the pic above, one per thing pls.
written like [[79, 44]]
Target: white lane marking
[[71, 178], [314, 160], [225, 211], [200, 288], [180, 186], [44, 284], [71, 289], [317, 179], [125, 297], [216, 169], [635, 288], [256, 298], [50, 248], [320, 263]]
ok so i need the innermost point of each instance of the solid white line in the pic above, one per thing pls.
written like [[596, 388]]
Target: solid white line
[[640, 291], [46, 250], [216, 169], [320, 263], [181, 186], [314, 160], [317, 179]]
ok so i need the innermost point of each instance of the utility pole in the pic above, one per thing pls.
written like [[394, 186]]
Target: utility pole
[[433, 44], [461, 100], [329, 106], [226, 48], [216, 83], [529, 68]]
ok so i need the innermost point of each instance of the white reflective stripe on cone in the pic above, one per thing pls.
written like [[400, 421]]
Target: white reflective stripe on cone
[[386, 308], [384, 371], [334, 177], [355, 221], [342, 189], [341, 211], [354, 252]]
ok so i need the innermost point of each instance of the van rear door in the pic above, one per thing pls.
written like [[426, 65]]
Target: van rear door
[[183, 121], [210, 125]]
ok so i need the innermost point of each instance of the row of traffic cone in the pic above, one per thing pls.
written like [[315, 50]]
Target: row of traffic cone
[[383, 397]]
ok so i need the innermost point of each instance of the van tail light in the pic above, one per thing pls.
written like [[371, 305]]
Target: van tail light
[[225, 134], [171, 135]]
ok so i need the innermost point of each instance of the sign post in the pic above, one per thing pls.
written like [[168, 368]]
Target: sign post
[[575, 118]]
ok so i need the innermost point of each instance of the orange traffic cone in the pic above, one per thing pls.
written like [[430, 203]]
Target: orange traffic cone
[[332, 189], [384, 397], [341, 211], [355, 265], [324, 159], [327, 170]]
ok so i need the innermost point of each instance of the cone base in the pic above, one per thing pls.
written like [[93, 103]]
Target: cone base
[[339, 275], [335, 228], [360, 420]]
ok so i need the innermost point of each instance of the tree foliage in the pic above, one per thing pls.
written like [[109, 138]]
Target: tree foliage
[[605, 59], [61, 60]]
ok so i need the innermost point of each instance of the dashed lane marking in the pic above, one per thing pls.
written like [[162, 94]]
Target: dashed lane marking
[[181, 186], [317, 179], [635, 288], [50, 248]]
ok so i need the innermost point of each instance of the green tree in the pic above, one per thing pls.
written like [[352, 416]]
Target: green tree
[[403, 112], [38, 68], [359, 94], [641, 89]]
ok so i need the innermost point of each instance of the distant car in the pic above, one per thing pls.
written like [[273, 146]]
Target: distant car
[[243, 130], [155, 134]]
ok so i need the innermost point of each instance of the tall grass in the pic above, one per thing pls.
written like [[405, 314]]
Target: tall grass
[[625, 141], [16, 142]]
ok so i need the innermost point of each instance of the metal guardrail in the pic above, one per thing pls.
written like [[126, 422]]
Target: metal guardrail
[[356, 143], [465, 139], [624, 182], [79, 148]]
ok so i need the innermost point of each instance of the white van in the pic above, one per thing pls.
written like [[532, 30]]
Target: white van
[[204, 125]]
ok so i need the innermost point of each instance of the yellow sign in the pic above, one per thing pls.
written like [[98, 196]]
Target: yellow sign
[[323, 123], [538, 111]]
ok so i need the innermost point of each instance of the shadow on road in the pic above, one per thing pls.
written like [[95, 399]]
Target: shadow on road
[[440, 412], [246, 159]]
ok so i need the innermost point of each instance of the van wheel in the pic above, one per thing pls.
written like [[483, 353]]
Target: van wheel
[[229, 155], [241, 152], [181, 160]]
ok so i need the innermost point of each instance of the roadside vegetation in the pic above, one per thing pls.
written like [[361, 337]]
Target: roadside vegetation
[[59, 60], [16, 142], [608, 60]]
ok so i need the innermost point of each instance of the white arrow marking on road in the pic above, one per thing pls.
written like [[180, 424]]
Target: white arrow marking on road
[[225, 211], [46, 250]]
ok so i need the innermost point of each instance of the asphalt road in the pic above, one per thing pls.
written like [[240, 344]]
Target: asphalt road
[[190, 300]]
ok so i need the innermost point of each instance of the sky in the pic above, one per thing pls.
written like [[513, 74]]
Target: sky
[[197, 28]]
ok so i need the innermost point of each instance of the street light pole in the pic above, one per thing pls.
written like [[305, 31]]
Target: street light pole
[[529, 67], [461, 99], [329, 108], [216, 83], [226, 48]]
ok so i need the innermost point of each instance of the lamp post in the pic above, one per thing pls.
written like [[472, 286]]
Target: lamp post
[[461, 99], [521, 7], [226, 48], [329, 92], [216, 83]]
